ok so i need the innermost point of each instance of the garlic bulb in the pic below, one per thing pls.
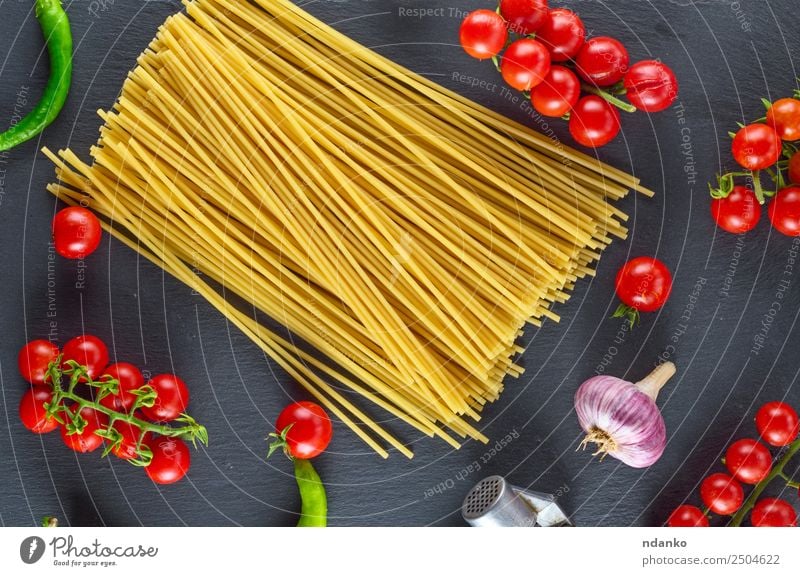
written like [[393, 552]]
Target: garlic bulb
[[622, 418]]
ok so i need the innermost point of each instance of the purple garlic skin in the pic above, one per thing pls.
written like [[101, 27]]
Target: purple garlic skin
[[612, 408]]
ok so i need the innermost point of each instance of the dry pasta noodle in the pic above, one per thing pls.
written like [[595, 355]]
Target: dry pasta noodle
[[404, 235]]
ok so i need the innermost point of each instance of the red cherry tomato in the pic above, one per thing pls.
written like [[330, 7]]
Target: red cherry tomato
[[784, 211], [88, 351], [777, 423], [525, 64], [34, 359], [748, 460], [172, 398], [644, 283], [557, 94], [756, 146], [86, 441], [794, 168], [32, 412], [773, 512], [171, 460], [483, 34], [784, 117], [738, 212], [130, 378], [602, 61], [562, 33], [686, 516], [310, 431], [593, 122], [524, 16], [127, 448], [76, 232], [651, 86], [722, 494]]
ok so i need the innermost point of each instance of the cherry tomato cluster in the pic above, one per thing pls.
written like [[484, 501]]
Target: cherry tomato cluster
[[643, 284], [76, 232], [546, 55], [93, 404], [750, 462], [766, 149]]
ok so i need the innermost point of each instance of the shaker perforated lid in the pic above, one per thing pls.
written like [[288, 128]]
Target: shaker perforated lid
[[495, 502]]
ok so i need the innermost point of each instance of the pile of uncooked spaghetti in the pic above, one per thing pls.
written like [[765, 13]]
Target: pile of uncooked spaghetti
[[403, 234]]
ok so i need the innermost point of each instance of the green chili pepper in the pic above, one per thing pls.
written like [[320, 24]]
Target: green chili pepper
[[314, 503], [58, 36]]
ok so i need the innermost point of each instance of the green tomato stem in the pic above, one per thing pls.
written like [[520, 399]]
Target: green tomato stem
[[628, 312], [191, 431], [777, 472], [779, 180], [608, 97], [114, 416], [789, 482], [757, 187]]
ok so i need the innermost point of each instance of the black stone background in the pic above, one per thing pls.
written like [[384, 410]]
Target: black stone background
[[151, 319]]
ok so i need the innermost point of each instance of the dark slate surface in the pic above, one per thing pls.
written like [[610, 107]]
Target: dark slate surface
[[725, 61]]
